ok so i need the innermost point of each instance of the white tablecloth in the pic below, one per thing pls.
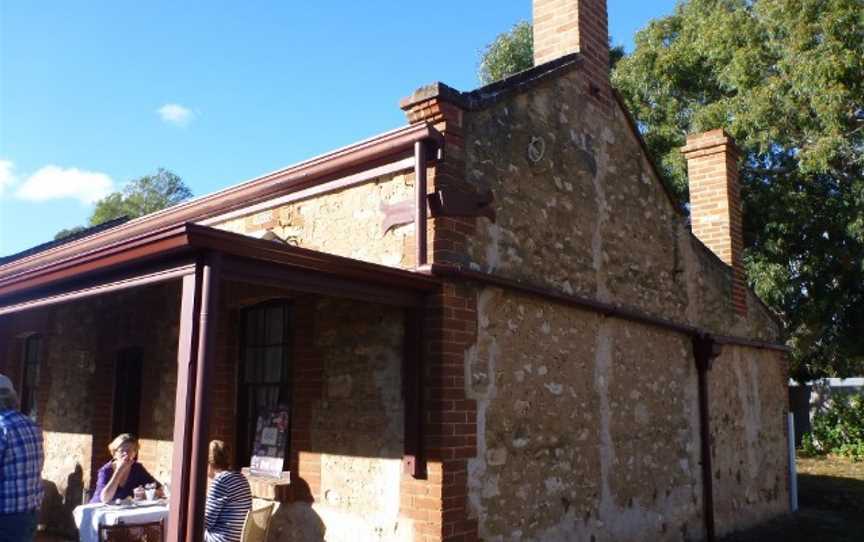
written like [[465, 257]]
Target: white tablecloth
[[88, 517]]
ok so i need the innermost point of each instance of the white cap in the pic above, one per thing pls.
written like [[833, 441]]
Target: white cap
[[5, 383]]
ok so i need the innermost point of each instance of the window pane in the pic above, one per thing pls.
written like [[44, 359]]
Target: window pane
[[32, 376], [32, 346], [275, 325], [249, 362], [249, 332], [263, 399], [273, 365], [261, 324]]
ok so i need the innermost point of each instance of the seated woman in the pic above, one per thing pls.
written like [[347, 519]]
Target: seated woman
[[228, 500], [118, 478]]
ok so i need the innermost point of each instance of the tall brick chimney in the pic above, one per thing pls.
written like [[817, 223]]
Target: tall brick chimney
[[562, 27], [715, 203]]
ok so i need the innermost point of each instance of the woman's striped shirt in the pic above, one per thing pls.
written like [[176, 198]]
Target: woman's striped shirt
[[228, 501]]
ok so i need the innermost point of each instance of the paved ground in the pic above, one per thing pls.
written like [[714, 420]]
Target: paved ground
[[831, 498]]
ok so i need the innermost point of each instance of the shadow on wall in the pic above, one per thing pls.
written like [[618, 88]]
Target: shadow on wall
[[297, 521], [55, 516]]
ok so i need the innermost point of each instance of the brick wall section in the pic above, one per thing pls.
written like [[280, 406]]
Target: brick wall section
[[439, 505], [308, 390], [715, 203], [562, 27], [223, 394]]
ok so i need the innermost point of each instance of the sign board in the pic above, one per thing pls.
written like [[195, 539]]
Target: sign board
[[271, 438]]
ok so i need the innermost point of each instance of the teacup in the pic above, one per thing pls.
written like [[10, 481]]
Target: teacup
[[150, 493]]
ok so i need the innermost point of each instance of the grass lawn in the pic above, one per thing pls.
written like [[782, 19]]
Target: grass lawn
[[831, 499]]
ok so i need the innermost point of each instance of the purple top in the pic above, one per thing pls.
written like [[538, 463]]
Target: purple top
[[138, 476]]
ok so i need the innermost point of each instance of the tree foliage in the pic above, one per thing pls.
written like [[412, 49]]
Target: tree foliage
[[785, 79], [68, 232], [142, 196], [838, 428], [139, 197], [513, 52]]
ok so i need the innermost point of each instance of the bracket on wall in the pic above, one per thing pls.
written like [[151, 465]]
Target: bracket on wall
[[396, 214], [705, 350], [454, 202], [443, 202]]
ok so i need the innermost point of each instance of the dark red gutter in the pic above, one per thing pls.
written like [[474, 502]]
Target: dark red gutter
[[605, 309], [77, 263], [392, 145]]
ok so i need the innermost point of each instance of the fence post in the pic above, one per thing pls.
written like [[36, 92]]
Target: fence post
[[793, 471]]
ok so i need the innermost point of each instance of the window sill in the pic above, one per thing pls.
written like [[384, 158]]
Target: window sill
[[268, 488]]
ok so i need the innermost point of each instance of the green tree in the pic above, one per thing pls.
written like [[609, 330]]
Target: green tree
[[513, 52], [139, 197], [68, 232], [142, 196], [786, 79]]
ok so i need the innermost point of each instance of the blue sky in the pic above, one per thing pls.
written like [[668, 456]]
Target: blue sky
[[93, 94]]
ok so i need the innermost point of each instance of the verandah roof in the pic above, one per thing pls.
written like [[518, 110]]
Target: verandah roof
[[201, 257], [168, 252]]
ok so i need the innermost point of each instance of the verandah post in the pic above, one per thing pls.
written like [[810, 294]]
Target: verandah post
[[198, 309], [210, 286], [184, 406]]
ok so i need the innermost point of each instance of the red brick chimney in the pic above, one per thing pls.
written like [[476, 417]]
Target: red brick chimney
[[562, 27], [715, 203]]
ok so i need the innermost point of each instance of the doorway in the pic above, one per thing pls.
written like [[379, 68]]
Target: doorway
[[126, 416]]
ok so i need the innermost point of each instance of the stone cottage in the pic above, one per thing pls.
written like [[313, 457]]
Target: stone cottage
[[493, 323]]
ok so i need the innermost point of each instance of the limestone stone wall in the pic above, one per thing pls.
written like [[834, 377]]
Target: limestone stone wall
[[588, 426], [356, 432], [584, 213], [347, 222], [747, 390]]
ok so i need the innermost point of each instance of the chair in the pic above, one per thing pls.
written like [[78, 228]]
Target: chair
[[142, 532], [257, 524]]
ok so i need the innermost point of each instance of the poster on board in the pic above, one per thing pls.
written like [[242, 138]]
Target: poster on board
[[271, 438]]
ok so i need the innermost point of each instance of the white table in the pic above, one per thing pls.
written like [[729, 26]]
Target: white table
[[88, 517]]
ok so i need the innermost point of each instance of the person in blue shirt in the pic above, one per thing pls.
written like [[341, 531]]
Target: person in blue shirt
[[21, 460]]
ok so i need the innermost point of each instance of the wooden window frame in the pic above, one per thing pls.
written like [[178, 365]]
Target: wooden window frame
[[245, 434]]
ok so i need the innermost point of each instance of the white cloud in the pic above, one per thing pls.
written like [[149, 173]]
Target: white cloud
[[176, 114], [7, 178], [54, 182]]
